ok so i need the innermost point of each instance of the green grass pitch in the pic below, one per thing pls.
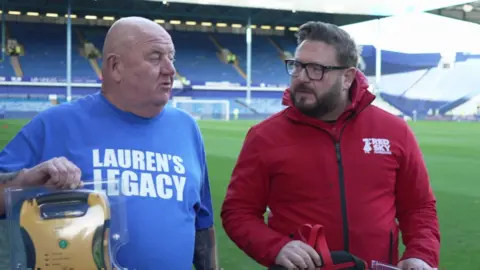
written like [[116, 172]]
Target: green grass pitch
[[452, 153]]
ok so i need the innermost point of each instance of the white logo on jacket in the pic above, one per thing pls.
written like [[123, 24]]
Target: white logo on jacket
[[377, 145]]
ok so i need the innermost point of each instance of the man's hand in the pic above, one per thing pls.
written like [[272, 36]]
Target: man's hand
[[414, 264], [298, 255], [57, 172]]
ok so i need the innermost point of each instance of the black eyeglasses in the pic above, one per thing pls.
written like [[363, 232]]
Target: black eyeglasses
[[314, 71]]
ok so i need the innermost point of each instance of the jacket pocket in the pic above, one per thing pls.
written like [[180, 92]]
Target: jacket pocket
[[390, 248]]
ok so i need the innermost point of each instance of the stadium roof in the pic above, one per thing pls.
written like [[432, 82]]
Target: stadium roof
[[364, 7], [168, 10]]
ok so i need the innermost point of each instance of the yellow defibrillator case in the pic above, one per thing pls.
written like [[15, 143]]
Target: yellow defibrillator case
[[66, 230]]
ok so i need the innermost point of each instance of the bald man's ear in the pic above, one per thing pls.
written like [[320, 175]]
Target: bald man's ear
[[114, 67]]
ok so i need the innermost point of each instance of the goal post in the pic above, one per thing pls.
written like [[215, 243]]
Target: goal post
[[204, 109]]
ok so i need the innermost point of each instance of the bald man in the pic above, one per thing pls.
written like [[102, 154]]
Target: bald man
[[126, 132]]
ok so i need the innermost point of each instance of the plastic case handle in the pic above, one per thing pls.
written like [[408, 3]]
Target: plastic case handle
[[65, 196]]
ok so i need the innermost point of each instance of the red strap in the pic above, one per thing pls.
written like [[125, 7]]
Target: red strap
[[312, 236], [322, 248], [316, 239]]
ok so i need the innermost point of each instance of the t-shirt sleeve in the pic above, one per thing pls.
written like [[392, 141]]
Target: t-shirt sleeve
[[204, 218], [25, 148]]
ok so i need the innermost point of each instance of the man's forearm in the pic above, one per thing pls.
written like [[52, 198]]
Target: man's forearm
[[205, 256], [8, 177]]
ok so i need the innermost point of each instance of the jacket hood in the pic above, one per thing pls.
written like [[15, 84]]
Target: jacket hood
[[359, 94]]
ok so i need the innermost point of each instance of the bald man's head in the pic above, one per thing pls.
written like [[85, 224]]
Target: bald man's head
[[138, 62], [125, 32]]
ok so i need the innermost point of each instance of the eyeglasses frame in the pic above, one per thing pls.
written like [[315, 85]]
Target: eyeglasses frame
[[304, 65]]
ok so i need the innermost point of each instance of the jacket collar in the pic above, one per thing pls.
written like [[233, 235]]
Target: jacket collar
[[359, 95]]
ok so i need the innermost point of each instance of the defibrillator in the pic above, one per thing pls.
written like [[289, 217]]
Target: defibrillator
[[66, 230]]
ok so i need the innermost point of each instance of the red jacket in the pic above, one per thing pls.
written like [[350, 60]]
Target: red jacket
[[354, 177]]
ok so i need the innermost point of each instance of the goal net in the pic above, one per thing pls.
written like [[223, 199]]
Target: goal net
[[203, 109]]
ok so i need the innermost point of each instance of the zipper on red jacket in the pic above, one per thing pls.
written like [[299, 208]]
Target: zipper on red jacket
[[343, 201], [341, 181]]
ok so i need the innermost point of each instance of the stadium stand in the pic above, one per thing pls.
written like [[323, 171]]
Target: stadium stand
[[438, 89], [6, 69], [411, 84], [267, 65], [201, 62], [45, 50], [471, 107]]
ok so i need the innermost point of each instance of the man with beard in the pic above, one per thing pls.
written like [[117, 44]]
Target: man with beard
[[127, 133], [333, 159]]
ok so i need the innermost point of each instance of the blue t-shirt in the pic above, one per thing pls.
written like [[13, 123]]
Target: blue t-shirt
[[160, 163]]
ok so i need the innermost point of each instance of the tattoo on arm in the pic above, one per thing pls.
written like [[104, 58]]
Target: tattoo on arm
[[205, 256], [8, 177]]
